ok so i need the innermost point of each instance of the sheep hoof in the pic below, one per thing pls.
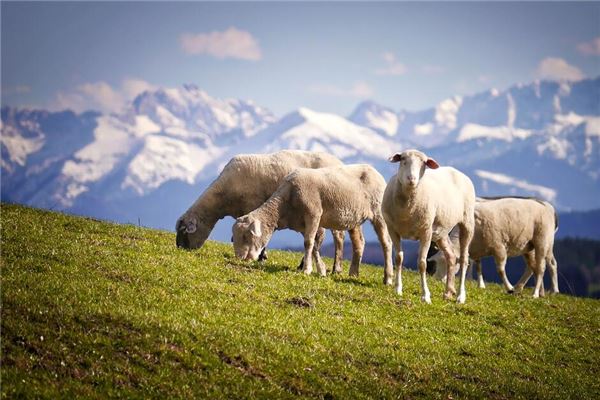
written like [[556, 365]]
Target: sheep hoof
[[387, 281], [426, 299], [307, 271], [518, 289], [263, 255], [461, 299], [448, 296]]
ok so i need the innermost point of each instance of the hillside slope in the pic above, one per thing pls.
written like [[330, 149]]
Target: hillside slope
[[91, 309]]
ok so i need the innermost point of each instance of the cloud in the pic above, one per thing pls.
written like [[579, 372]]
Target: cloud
[[359, 89], [392, 65], [557, 69], [232, 43], [591, 48], [100, 96]]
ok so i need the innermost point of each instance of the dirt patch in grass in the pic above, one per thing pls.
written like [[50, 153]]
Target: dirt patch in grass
[[302, 302]]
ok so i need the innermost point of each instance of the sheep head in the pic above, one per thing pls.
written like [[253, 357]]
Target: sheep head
[[192, 232], [412, 167], [249, 238]]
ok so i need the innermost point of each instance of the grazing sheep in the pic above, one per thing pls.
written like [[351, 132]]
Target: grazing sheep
[[424, 202], [340, 198], [509, 227], [246, 182]]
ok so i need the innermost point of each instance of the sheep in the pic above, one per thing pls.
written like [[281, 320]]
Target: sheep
[[508, 227], [244, 184], [340, 198], [424, 202]]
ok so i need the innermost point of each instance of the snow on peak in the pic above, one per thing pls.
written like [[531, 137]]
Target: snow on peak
[[570, 120], [188, 111], [592, 126], [423, 129], [162, 159], [446, 111], [476, 131], [546, 193], [377, 117], [317, 131], [20, 146]]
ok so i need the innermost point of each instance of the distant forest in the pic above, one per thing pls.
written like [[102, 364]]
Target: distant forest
[[581, 224]]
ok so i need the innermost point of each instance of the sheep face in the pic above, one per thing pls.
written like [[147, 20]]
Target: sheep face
[[191, 232], [249, 239], [412, 167], [438, 264]]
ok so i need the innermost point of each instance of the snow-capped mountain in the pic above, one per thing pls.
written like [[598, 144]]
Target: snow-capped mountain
[[154, 158], [306, 129], [540, 139], [168, 134]]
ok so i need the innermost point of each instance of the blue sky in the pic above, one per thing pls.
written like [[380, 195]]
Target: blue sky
[[325, 56]]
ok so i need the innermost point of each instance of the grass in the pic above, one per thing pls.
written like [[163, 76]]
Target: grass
[[93, 309]]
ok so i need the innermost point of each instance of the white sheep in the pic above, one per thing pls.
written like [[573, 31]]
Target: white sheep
[[245, 183], [339, 198], [509, 227], [424, 202]]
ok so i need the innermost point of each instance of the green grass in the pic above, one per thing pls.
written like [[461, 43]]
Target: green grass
[[93, 309]]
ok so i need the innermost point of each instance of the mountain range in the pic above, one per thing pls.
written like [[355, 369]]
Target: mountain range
[[150, 161]]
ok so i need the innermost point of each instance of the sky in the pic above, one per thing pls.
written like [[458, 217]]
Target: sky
[[324, 56]]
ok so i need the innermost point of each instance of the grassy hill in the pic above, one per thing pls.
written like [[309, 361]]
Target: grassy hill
[[92, 309]]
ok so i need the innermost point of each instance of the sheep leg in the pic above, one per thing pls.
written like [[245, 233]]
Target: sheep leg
[[311, 227], [399, 258], [551, 261], [465, 235], [530, 267], [321, 268], [424, 244], [338, 239], [480, 281], [358, 246], [446, 248], [318, 247], [386, 245], [540, 268], [500, 259]]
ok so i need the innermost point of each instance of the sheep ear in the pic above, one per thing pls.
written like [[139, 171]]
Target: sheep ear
[[395, 158], [431, 163], [255, 228]]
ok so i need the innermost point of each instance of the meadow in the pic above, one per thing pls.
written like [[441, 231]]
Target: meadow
[[92, 309]]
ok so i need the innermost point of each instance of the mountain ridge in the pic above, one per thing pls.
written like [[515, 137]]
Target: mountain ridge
[[169, 144]]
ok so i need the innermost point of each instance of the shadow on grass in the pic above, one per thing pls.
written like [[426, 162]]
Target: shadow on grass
[[252, 266], [352, 280]]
